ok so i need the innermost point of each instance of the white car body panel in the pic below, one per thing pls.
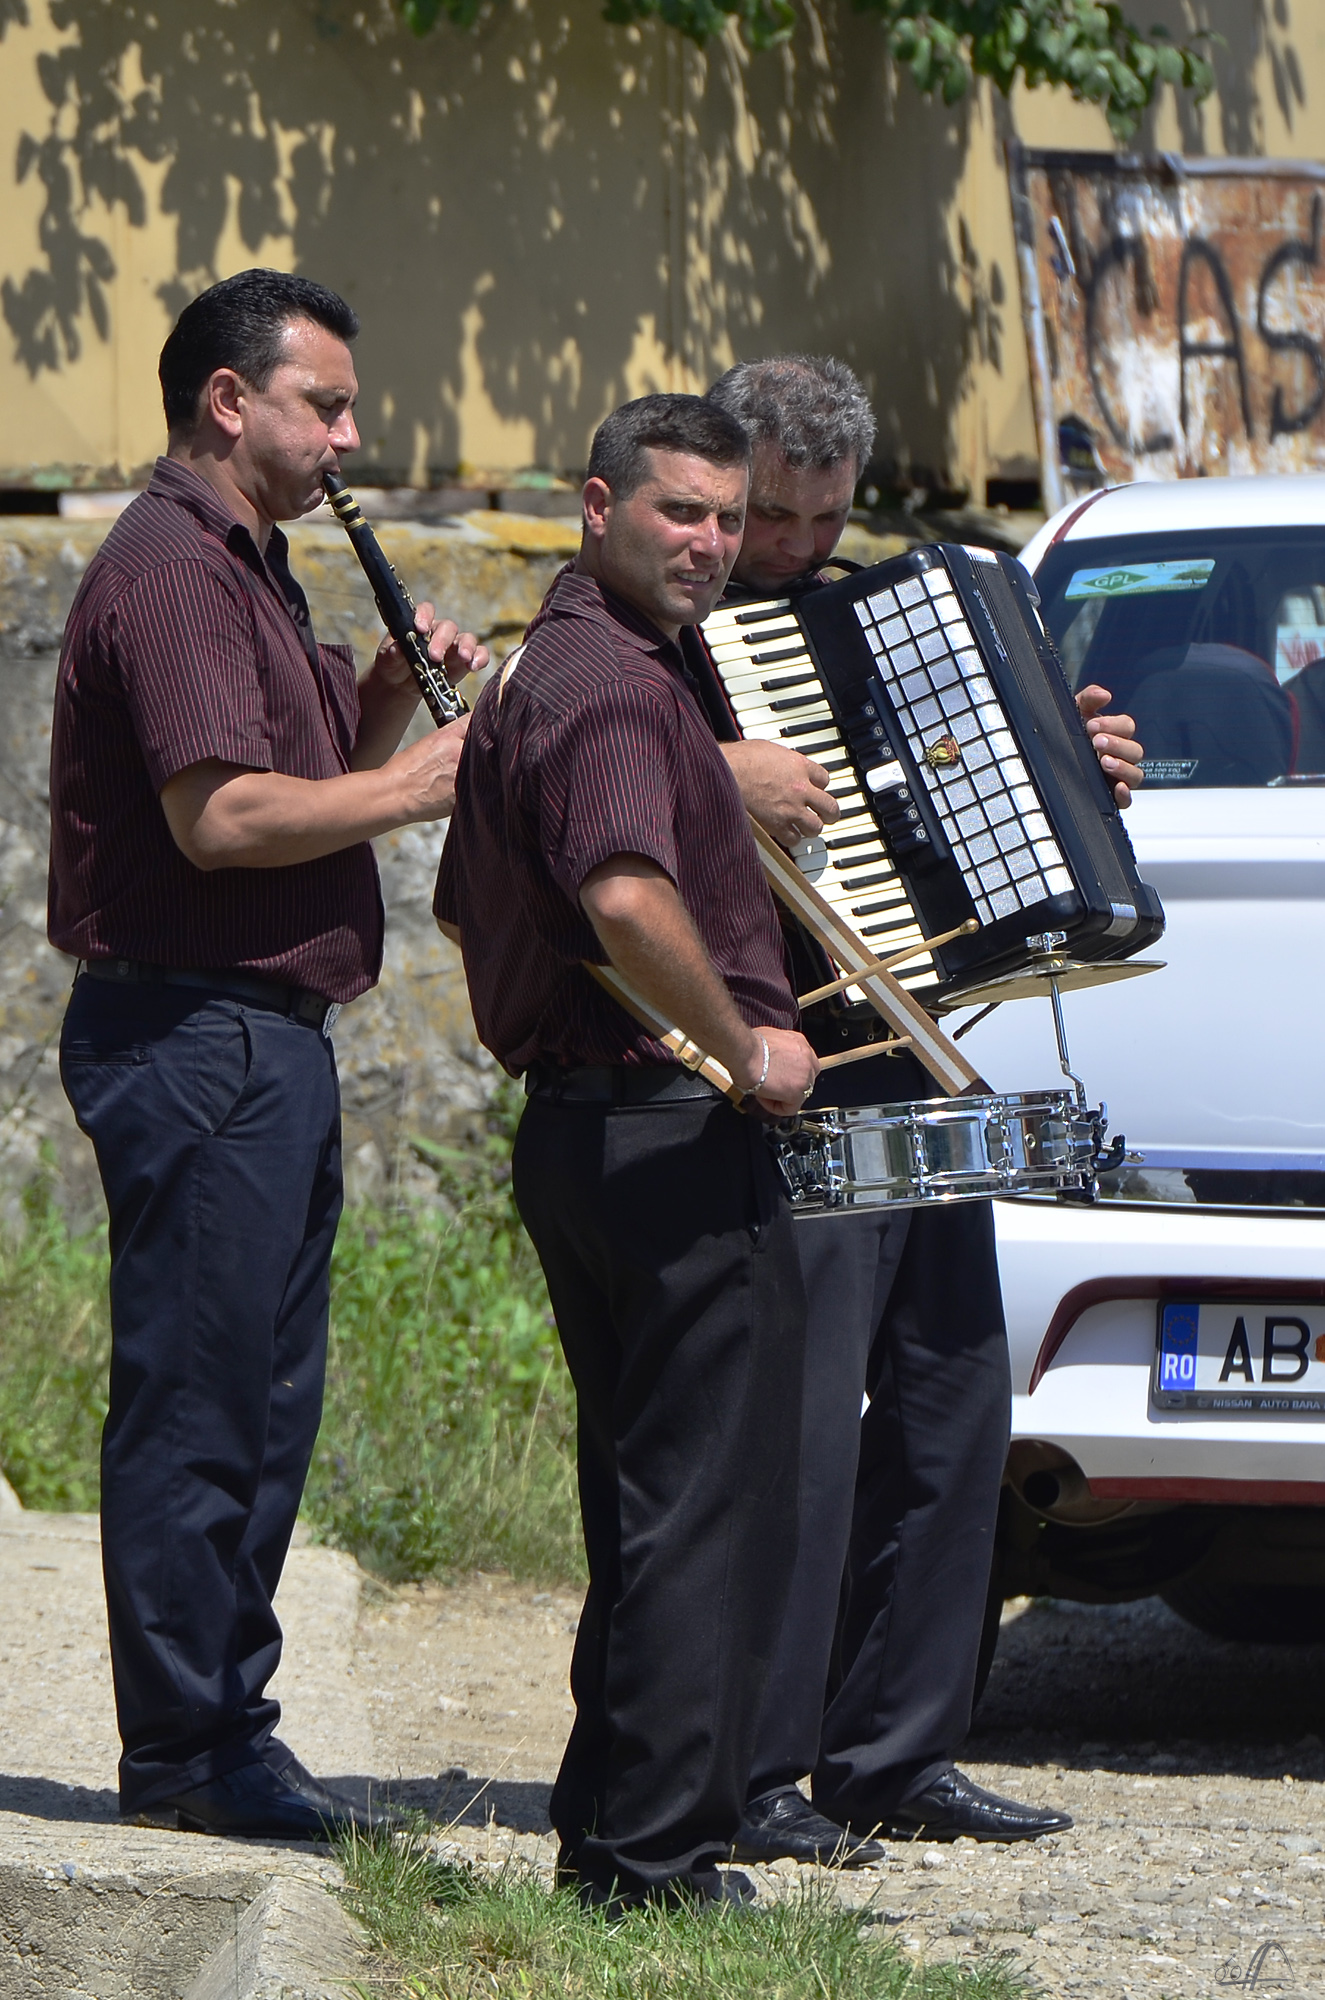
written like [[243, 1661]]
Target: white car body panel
[[1190, 1074], [1216, 1062], [1093, 1400], [1159, 507]]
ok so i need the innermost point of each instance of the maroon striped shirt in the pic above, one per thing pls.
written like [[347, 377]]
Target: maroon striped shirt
[[183, 644], [597, 747]]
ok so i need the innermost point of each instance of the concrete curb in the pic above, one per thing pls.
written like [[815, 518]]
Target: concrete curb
[[229, 1921], [93, 1908], [292, 1942]]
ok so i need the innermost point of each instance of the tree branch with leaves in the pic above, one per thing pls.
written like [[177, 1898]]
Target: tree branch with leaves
[[1088, 47]]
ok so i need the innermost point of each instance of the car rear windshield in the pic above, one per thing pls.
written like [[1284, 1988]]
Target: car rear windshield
[[1214, 642]]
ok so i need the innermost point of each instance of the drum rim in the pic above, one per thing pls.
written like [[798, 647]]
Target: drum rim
[[935, 1110]]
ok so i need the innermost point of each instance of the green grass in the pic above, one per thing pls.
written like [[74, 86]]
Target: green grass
[[454, 1933], [54, 1358], [448, 1437], [447, 1440]]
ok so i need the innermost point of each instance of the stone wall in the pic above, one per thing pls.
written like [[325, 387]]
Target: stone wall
[[409, 1061], [408, 1058]]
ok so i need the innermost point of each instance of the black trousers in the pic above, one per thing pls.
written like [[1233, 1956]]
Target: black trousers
[[872, 1681], [217, 1133], [672, 1267]]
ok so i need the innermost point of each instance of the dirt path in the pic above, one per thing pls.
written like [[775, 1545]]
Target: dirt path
[[1191, 1768]]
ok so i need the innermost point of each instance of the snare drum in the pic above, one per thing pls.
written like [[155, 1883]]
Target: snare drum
[[942, 1149]]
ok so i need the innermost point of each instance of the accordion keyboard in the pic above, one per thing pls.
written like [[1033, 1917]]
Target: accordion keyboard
[[775, 693]]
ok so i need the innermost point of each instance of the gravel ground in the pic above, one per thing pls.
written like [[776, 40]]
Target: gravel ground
[[1191, 1767]]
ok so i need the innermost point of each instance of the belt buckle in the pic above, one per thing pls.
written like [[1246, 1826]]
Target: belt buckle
[[330, 1018]]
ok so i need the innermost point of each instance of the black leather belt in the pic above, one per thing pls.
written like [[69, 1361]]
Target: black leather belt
[[615, 1084], [301, 1003]]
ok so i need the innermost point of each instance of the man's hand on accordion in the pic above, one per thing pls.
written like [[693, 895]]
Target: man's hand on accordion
[[786, 792], [1114, 738]]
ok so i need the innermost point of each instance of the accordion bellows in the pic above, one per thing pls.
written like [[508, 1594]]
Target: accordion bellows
[[967, 783]]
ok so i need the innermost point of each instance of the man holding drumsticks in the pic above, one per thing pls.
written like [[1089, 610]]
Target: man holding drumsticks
[[596, 823]]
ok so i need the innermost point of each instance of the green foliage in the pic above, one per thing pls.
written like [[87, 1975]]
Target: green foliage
[[446, 1440], [421, 15], [447, 1435], [1089, 47], [458, 1933], [54, 1357]]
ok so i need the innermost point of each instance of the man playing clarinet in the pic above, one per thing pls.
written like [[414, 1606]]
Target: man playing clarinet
[[596, 820], [871, 1686], [216, 777]]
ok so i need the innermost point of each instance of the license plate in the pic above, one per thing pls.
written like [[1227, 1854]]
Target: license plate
[[1240, 1360]]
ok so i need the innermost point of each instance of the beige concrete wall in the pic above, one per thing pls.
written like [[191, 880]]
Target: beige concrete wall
[[537, 219]]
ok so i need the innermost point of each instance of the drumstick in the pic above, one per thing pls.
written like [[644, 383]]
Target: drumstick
[[946, 1064], [887, 1048], [691, 1056], [687, 1053], [887, 964]]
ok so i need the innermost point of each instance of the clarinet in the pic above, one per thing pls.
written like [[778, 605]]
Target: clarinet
[[443, 702]]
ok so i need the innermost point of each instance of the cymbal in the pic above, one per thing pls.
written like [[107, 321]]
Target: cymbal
[[1070, 974]]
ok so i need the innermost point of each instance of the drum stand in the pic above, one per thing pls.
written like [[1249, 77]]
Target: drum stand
[[1047, 966]]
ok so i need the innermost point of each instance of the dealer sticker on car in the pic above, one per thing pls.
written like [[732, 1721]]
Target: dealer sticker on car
[[1240, 1359]]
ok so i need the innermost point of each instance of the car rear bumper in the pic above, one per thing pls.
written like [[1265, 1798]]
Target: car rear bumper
[[1081, 1288]]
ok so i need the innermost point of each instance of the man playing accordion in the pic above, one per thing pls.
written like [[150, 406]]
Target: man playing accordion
[[872, 1684]]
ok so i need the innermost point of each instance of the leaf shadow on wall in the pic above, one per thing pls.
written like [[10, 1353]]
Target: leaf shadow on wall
[[533, 221], [1242, 33]]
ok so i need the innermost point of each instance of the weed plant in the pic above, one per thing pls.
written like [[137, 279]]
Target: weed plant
[[447, 1438], [54, 1357], [455, 1932], [447, 1433]]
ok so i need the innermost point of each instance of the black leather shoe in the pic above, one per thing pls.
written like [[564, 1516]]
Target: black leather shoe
[[284, 1804], [954, 1805], [784, 1826]]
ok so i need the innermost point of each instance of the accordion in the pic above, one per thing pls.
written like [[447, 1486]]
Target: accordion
[[967, 784]]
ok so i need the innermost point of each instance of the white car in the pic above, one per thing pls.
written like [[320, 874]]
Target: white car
[[1168, 1345]]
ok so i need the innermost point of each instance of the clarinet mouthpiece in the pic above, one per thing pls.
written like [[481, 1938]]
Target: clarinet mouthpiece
[[344, 505]]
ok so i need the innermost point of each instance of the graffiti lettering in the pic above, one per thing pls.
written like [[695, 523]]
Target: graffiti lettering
[[1197, 251], [1124, 254], [1175, 315], [1292, 341]]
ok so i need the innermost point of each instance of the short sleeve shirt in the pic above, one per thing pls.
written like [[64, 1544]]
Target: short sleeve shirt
[[184, 644], [592, 746]]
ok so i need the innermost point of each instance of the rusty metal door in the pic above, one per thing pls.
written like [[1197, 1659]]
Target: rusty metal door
[[1175, 315]]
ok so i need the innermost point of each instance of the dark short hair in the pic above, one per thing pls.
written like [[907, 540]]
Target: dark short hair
[[241, 324], [812, 409], [663, 423]]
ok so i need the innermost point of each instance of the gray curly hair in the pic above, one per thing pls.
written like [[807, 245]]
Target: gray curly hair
[[811, 408]]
